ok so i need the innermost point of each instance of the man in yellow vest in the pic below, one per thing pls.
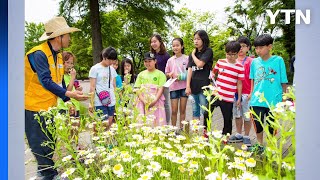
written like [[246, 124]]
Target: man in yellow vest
[[43, 84]]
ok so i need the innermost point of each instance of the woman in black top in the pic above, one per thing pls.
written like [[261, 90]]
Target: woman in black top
[[199, 67]]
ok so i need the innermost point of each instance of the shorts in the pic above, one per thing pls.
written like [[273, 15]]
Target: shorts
[[245, 108], [178, 94], [107, 111], [263, 113]]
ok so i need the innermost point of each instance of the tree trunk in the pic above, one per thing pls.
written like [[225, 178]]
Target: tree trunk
[[95, 30]]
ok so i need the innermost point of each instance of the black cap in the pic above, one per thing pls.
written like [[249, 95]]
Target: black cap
[[149, 55]]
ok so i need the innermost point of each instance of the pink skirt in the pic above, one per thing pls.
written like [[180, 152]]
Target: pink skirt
[[157, 110]]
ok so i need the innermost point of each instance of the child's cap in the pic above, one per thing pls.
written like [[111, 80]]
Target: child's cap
[[149, 55]]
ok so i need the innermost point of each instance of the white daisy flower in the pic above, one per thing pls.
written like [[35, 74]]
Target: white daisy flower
[[154, 166], [188, 145], [156, 151], [244, 147], [165, 174], [180, 160], [121, 175], [68, 172], [88, 161], [48, 121], [189, 154], [217, 134], [82, 152], [248, 176], [140, 151], [278, 109], [193, 164], [67, 158], [241, 166], [145, 176], [194, 122], [91, 155], [127, 158], [246, 154], [238, 160], [167, 145], [170, 155], [216, 176], [239, 152], [231, 165], [137, 137], [117, 169], [101, 149], [147, 156], [181, 138], [251, 162]]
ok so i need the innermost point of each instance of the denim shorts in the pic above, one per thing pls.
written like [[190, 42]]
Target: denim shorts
[[109, 111], [240, 112], [178, 94]]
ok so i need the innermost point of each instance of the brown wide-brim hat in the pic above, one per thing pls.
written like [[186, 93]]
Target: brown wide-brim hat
[[55, 27]]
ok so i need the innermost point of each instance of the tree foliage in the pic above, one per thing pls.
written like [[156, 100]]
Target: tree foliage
[[32, 34], [190, 22], [154, 11]]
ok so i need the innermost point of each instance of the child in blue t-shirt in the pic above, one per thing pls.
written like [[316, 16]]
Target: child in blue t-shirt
[[115, 65], [268, 78]]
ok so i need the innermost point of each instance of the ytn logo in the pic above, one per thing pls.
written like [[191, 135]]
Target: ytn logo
[[299, 15]]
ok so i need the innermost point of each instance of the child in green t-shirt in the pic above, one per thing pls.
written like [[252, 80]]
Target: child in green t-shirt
[[70, 83], [150, 96]]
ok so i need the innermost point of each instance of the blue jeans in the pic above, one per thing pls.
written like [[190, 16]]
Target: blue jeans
[[35, 136], [199, 99]]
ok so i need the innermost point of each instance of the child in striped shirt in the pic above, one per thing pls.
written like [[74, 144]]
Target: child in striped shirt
[[229, 81]]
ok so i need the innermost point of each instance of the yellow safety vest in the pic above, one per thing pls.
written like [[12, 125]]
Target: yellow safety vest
[[36, 96]]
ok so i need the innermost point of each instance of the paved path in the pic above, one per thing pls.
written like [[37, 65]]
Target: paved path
[[30, 164]]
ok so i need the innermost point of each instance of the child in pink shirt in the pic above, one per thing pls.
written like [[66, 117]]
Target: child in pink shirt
[[176, 68]]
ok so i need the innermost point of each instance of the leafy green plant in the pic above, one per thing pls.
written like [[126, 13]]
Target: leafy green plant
[[131, 149]]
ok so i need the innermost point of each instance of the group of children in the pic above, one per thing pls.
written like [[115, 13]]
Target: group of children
[[238, 78]]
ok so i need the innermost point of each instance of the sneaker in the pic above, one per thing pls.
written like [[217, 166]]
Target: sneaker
[[256, 149], [235, 139], [247, 141]]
